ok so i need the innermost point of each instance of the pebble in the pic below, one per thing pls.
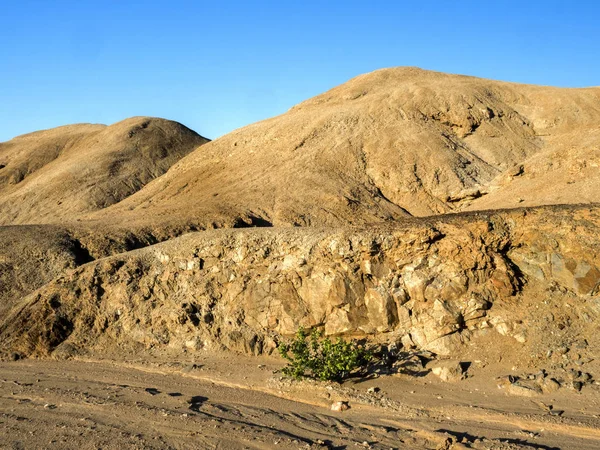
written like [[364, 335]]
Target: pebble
[[585, 377], [340, 406], [550, 385]]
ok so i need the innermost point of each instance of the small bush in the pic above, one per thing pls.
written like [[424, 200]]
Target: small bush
[[316, 357]]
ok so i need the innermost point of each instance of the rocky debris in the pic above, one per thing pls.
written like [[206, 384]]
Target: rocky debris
[[546, 381], [340, 406], [549, 385], [518, 387], [449, 370]]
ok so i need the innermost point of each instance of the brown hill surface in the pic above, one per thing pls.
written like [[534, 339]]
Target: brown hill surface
[[382, 146], [31, 256], [55, 175]]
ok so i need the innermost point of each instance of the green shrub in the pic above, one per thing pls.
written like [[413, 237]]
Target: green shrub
[[317, 357]]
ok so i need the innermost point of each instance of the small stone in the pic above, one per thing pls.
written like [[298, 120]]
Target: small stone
[[585, 377], [545, 407], [407, 341], [562, 350], [449, 371], [577, 385], [152, 391], [373, 390], [519, 389], [49, 406], [520, 337], [549, 385], [190, 368], [340, 406]]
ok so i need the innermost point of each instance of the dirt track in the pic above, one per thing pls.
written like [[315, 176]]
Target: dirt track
[[237, 402]]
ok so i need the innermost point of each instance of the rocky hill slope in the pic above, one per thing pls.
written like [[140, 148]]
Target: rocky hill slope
[[386, 145], [532, 276], [56, 175]]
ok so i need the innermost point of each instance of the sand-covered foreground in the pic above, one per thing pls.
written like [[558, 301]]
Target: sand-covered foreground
[[232, 402]]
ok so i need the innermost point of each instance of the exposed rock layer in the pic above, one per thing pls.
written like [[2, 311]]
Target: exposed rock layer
[[434, 284]]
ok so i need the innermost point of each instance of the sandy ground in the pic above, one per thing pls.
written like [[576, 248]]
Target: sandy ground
[[234, 402]]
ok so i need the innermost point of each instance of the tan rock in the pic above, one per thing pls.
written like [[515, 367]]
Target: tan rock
[[450, 370], [381, 310], [340, 406]]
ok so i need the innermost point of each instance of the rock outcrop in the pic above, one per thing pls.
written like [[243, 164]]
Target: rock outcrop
[[433, 284]]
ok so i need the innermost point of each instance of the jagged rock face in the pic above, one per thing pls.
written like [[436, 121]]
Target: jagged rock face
[[434, 284], [56, 175]]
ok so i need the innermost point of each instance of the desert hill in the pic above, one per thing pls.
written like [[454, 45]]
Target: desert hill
[[389, 144], [449, 221], [386, 145], [56, 175]]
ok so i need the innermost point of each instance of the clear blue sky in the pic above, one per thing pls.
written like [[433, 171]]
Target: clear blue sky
[[218, 65]]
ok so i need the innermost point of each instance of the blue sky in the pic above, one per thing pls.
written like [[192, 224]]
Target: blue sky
[[219, 65]]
